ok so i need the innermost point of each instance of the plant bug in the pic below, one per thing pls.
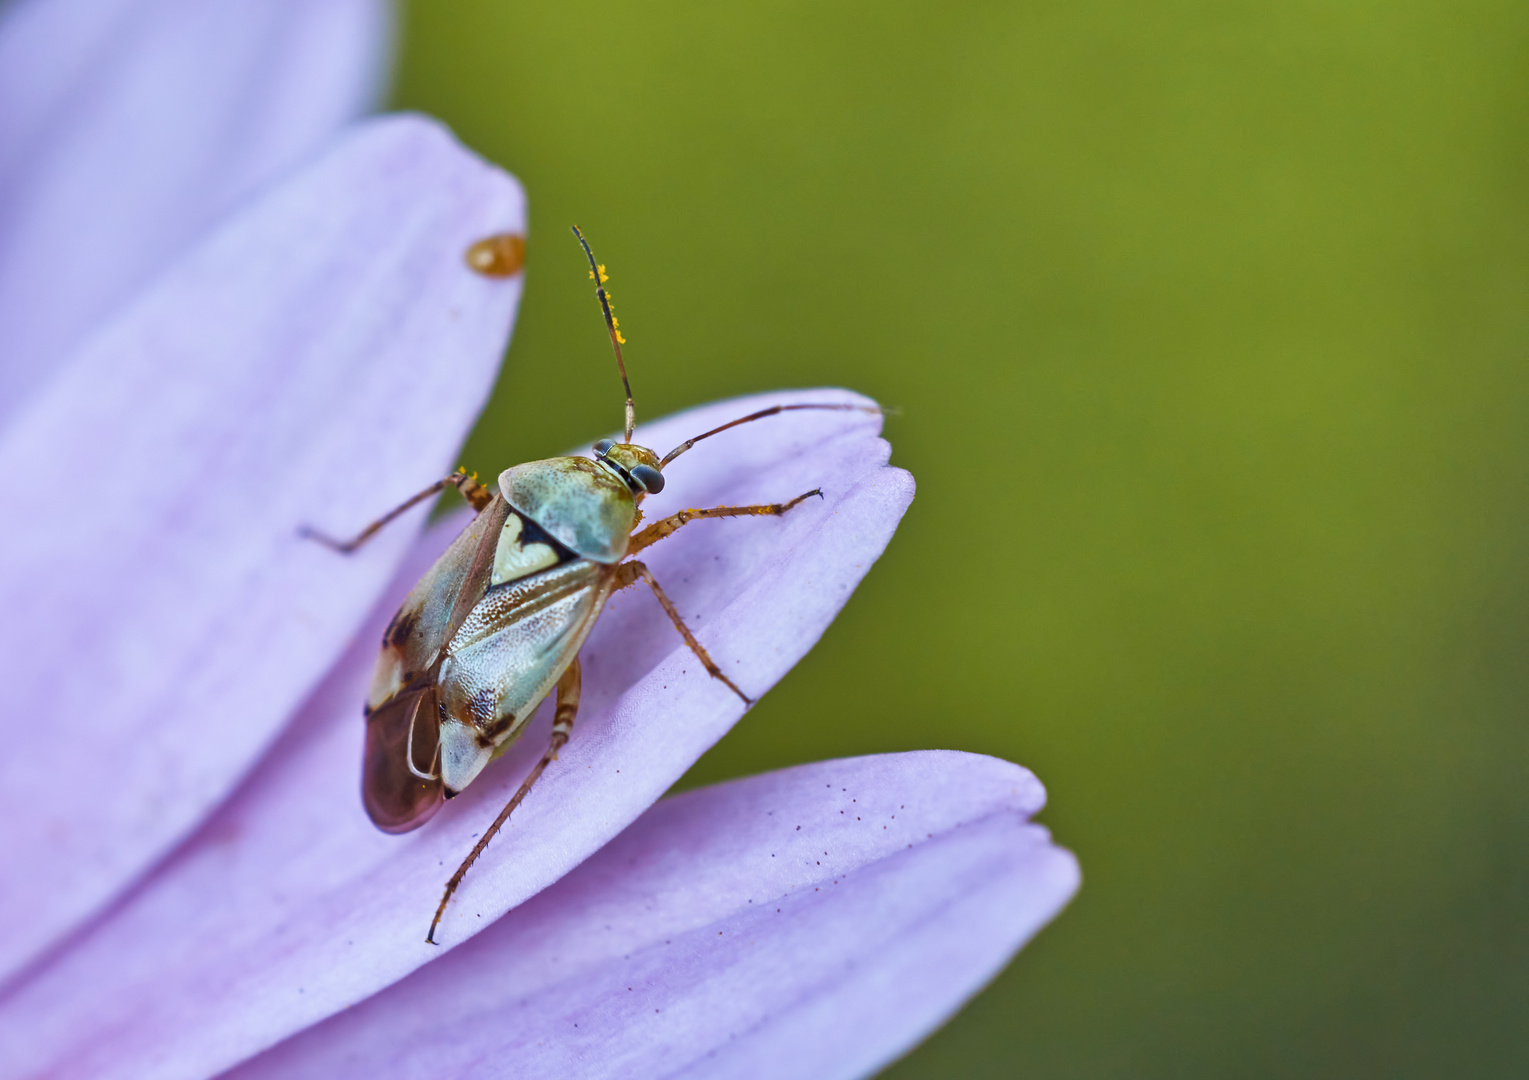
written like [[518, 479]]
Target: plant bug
[[497, 623]]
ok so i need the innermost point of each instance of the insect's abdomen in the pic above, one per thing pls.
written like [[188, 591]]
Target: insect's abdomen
[[508, 655]]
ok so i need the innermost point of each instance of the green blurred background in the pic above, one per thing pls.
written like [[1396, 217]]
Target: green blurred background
[[1209, 324]]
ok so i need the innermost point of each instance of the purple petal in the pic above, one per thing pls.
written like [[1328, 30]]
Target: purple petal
[[814, 922], [314, 361], [288, 906], [127, 127]]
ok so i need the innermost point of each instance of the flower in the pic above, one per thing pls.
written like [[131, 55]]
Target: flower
[[128, 127], [198, 881], [801, 923]]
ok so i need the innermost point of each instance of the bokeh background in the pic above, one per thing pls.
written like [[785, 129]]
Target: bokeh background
[[1208, 322]]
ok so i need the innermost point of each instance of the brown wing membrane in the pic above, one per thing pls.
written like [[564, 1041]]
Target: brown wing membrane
[[398, 800]]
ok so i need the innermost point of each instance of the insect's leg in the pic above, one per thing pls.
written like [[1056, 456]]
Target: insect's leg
[[568, 688], [669, 525], [628, 573], [477, 495]]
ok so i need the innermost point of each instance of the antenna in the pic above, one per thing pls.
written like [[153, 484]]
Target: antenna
[[597, 272], [773, 410]]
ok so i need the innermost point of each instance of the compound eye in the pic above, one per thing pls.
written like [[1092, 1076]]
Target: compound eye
[[650, 478], [603, 447]]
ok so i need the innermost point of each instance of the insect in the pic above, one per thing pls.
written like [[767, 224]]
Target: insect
[[497, 623]]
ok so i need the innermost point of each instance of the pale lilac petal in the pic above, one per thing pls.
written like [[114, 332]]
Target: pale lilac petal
[[314, 361], [289, 906], [128, 126], [814, 922]]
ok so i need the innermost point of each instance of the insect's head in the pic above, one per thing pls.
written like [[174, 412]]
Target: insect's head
[[636, 465]]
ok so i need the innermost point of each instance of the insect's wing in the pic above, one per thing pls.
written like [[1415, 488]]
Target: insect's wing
[[507, 656], [437, 605], [405, 730]]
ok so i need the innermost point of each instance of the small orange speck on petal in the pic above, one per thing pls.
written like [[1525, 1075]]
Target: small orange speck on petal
[[501, 255]]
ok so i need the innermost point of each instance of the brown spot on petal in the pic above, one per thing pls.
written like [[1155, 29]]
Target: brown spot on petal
[[500, 255]]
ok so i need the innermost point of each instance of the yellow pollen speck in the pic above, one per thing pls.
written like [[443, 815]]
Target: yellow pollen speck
[[603, 276], [620, 338]]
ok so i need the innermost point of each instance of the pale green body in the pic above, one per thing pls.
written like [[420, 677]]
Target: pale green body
[[488, 631]]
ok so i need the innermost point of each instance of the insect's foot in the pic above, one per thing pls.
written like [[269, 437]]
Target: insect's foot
[[747, 701], [308, 532], [803, 497]]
